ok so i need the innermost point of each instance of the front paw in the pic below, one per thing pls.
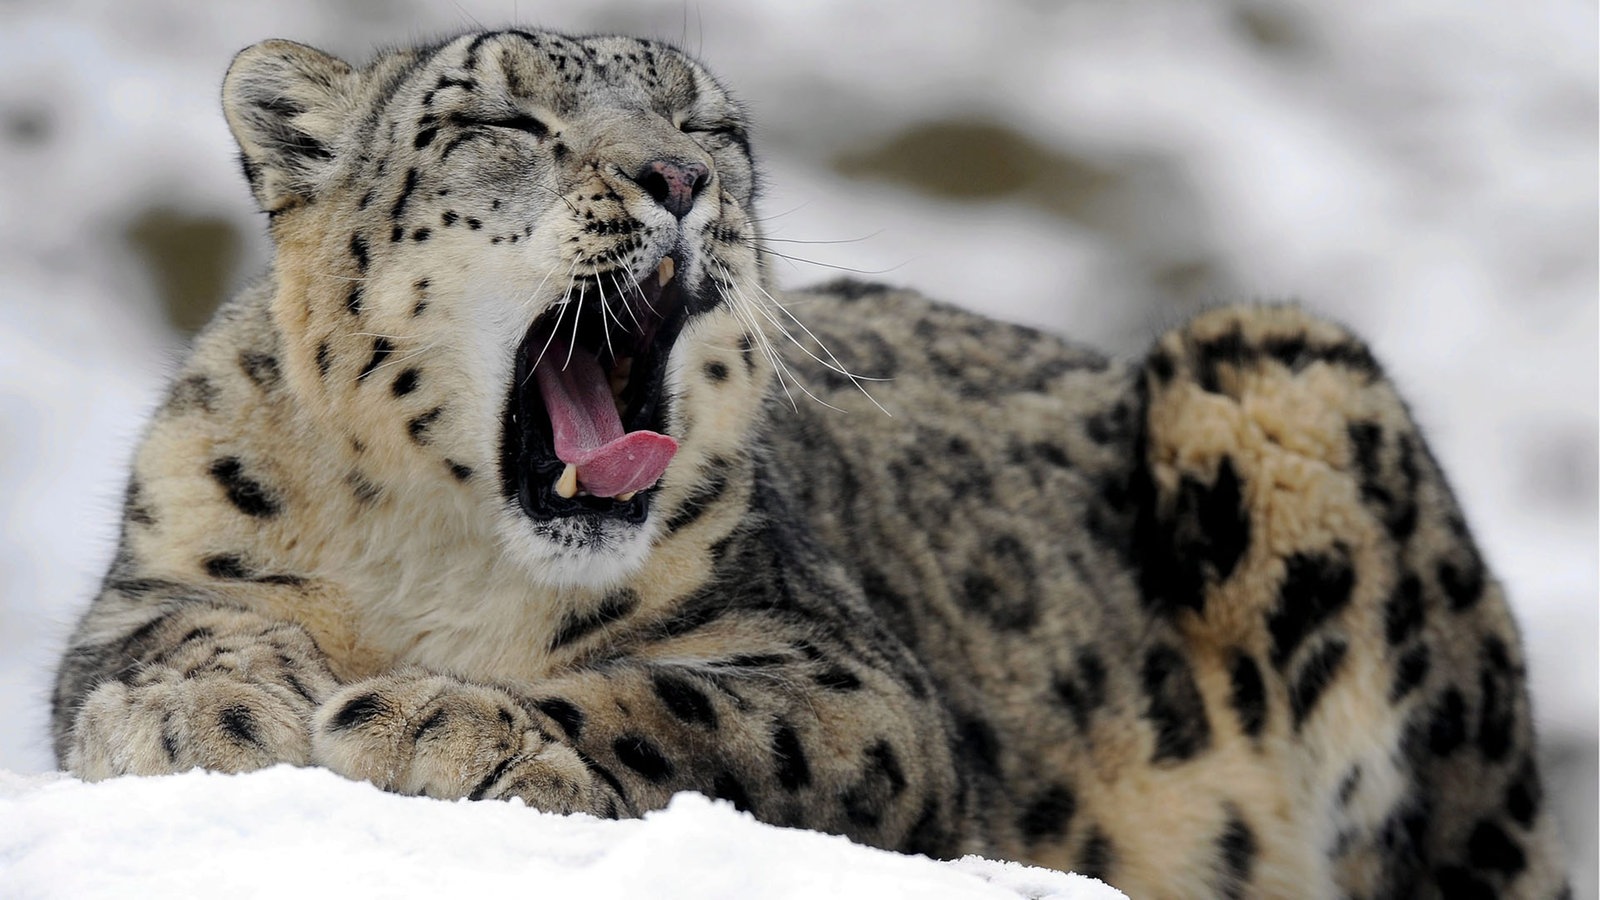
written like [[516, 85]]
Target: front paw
[[436, 736], [161, 726]]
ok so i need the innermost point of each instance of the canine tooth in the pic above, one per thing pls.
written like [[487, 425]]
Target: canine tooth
[[567, 484], [624, 498], [665, 271]]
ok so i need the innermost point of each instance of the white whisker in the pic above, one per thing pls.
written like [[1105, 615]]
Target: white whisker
[[755, 245], [622, 293], [604, 307], [577, 316], [561, 310], [742, 302], [836, 366]]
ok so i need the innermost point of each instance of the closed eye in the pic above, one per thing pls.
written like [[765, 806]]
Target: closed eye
[[520, 122], [724, 129]]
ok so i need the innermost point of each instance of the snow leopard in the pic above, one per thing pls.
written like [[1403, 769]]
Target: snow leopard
[[517, 476]]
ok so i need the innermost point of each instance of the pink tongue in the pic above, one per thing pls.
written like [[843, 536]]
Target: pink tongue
[[588, 432]]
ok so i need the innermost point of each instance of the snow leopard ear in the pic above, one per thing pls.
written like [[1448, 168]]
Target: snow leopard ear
[[287, 105]]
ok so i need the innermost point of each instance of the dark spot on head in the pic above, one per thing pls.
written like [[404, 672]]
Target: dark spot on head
[[323, 359], [458, 471], [716, 371]]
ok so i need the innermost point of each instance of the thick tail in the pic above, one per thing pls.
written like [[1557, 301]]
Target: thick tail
[[1304, 541]]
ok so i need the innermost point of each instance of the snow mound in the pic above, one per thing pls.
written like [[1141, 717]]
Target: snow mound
[[290, 832]]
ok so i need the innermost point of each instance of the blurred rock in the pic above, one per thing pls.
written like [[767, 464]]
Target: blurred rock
[[1143, 207], [1275, 27], [975, 160], [26, 126], [192, 259]]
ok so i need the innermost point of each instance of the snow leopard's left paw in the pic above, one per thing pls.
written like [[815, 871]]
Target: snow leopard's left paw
[[433, 735]]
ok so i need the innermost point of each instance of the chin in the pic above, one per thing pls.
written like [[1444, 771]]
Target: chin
[[595, 552]]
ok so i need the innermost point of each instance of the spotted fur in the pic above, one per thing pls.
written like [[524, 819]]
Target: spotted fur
[[1205, 624]]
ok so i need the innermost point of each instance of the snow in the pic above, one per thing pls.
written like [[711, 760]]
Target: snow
[[1422, 170], [204, 834]]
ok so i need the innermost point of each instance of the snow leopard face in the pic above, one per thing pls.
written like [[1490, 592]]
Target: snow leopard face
[[523, 262]]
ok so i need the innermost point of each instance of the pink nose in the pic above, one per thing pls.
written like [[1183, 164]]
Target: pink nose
[[674, 183]]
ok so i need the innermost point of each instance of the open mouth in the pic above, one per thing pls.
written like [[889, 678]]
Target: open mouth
[[583, 429]]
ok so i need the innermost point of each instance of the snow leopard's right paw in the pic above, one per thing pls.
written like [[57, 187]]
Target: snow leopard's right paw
[[167, 725]]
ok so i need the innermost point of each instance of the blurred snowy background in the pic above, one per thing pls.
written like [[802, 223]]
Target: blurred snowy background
[[1423, 170]]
